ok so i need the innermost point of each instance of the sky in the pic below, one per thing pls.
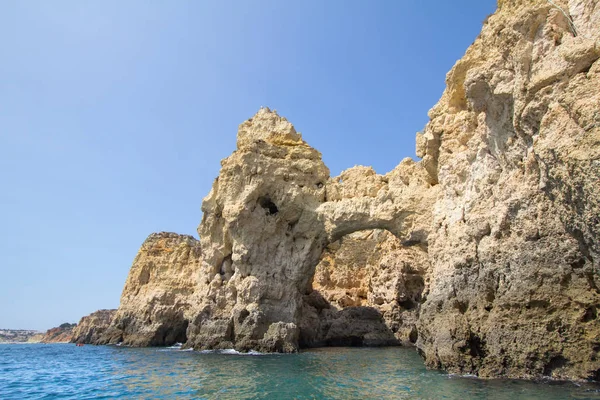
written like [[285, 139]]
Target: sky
[[114, 116]]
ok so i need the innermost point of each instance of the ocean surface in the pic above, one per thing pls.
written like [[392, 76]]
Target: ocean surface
[[64, 371]]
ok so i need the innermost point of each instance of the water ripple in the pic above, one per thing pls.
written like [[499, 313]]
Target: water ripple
[[70, 372]]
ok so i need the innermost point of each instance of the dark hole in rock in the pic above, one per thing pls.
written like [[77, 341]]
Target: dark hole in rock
[[407, 304], [243, 314], [595, 376], [578, 264], [414, 335], [346, 341], [266, 203], [476, 346], [554, 363], [168, 334], [462, 306], [410, 242], [590, 314], [226, 266], [537, 304]]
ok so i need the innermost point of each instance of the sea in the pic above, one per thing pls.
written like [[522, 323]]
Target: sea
[[64, 371]]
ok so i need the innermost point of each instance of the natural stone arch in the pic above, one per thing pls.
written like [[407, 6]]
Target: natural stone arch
[[268, 217], [366, 290]]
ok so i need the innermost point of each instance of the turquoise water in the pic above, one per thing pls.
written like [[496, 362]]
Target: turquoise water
[[61, 371]]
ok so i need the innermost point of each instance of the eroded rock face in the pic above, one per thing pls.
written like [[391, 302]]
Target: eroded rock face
[[367, 290], [260, 232], [157, 296], [514, 246], [91, 327], [487, 251], [59, 334], [268, 217]]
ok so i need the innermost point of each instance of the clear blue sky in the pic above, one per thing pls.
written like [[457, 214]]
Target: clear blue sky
[[114, 116]]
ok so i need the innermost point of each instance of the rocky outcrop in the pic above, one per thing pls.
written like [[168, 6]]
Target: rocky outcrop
[[514, 241], [91, 327], [367, 290], [157, 296], [267, 219], [60, 334], [485, 252]]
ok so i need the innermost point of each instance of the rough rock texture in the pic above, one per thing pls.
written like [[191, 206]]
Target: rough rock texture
[[514, 242], [156, 298], [60, 334], [91, 327], [489, 251], [369, 289], [267, 219]]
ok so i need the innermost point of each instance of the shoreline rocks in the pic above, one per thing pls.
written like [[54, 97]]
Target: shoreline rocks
[[157, 294], [91, 327], [60, 334]]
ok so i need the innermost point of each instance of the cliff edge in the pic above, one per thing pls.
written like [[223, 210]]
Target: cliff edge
[[484, 254], [514, 242]]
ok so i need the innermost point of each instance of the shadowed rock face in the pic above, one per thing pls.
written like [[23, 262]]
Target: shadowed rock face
[[91, 327], [367, 290], [156, 299]]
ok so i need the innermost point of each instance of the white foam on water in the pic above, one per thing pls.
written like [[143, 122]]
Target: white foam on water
[[468, 376], [228, 351], [233, 352]]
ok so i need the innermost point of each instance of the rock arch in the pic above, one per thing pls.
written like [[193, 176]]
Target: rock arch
[[270, 214], [366, 290]]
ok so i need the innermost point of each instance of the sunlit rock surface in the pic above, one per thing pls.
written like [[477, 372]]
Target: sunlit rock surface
[[155, 303], [484, 253], [514, 240], [91, 327]]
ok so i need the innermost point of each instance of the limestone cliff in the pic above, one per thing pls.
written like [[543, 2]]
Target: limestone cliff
[[267, 219], [485, 252], [372, 285], [59, 334], [91, 327], [157, 293], [514, 241]]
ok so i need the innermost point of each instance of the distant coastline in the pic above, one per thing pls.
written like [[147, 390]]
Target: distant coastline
[[60, 334], [16, 336]]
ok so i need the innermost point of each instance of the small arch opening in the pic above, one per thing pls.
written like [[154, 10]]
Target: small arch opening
[[349, 279]]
